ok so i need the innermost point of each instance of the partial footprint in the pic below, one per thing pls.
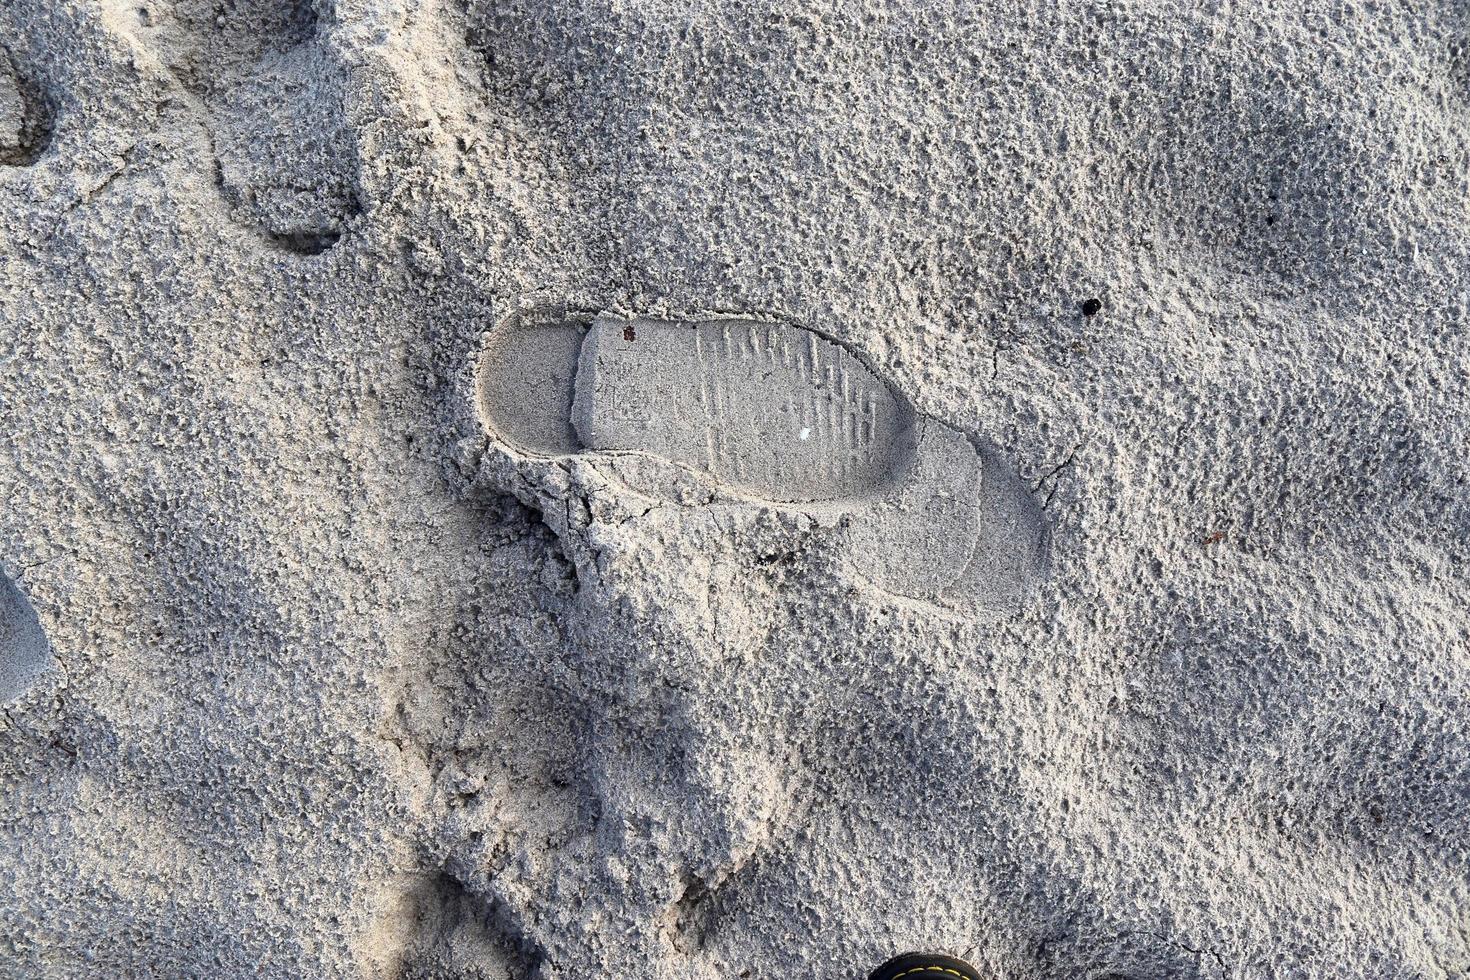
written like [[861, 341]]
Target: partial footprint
[[778, 415], [25, 122], [24, 652], [431, 928], [271, 96]]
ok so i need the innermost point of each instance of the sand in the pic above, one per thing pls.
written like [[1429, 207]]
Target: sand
[[312, 667]]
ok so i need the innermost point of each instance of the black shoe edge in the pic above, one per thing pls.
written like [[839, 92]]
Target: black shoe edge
[[924, 966]]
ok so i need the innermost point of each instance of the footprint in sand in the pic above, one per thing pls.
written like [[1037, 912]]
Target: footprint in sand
[[25, 125], [270, 94], [24, 652], [778, 416]]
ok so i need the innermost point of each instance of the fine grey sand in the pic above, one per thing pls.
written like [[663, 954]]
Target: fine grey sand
[[343, 636]]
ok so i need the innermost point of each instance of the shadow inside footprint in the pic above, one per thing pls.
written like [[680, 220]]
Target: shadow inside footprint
[[781, 416], [24, 652], [432, 928], [25, 117]]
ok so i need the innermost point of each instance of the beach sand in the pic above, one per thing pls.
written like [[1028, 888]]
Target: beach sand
[[1153, 664]]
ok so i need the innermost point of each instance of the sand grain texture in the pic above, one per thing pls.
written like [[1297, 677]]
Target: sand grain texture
[[335, 685]]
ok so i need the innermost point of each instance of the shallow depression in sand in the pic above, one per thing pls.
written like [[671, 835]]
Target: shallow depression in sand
[[24, 652]]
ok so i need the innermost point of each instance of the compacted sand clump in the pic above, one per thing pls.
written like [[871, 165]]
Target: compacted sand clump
[[665, 490]]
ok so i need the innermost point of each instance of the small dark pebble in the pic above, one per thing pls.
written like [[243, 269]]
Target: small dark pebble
[[1091, 307], [629, 334]]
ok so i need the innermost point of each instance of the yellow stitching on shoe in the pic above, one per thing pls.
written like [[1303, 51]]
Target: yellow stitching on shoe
[[933, 967]]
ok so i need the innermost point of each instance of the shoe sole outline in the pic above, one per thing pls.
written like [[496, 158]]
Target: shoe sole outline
[[772, 414]]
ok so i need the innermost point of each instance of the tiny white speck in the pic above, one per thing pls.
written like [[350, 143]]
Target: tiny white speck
[[806, 434]]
